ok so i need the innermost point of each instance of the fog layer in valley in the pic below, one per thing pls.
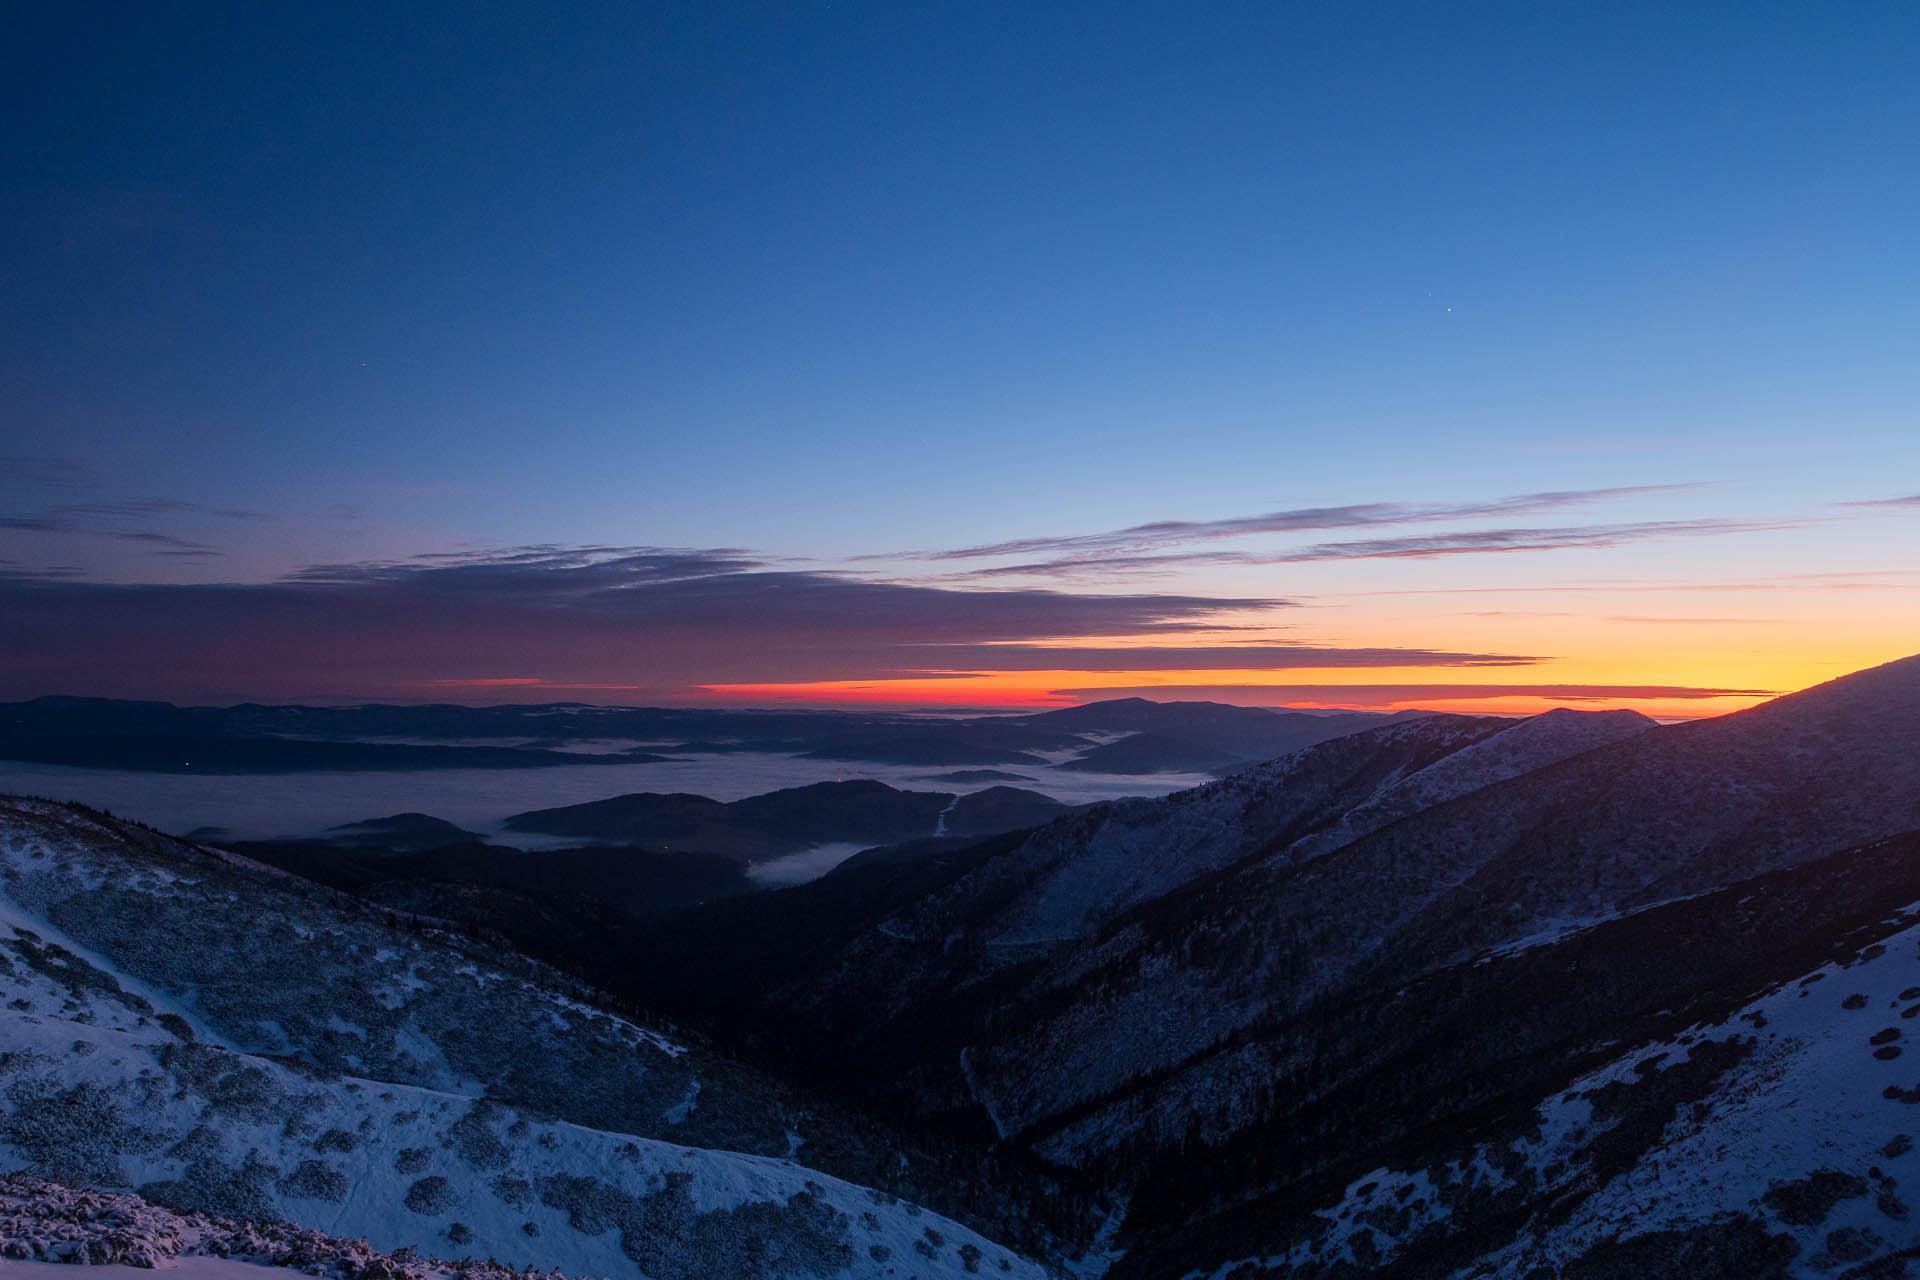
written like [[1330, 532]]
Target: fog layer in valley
[[263, 807]]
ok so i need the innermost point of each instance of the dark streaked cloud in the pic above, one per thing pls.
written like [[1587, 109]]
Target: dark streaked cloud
[[569, 574], [1387, 695], [138, 508], [1412, 547], [149, 508], [1159, 533], [109, 518], [1911, 502], [57, 473], [658, 621], [1490, 540], [1870, 580], [167, 541], [16, 571], [938, 660]]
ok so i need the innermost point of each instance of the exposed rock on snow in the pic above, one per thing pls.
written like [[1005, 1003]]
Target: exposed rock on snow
[[45, 1222]]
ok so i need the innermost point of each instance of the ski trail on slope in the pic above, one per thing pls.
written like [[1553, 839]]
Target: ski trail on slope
[[940, 823]]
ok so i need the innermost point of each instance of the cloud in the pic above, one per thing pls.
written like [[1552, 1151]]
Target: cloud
[[1391, 695], [658, 621], [139, 508], [1161, 533], [173, 545], [148, 508], [107, 519], [938, 660], [544, 571], [1413, 547], [14, 570], [1494, 540], [57, 473], [1869, 580], [1911, 501]]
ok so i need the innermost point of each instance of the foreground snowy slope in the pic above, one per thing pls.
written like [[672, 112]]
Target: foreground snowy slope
[[45, 1227], [227, 1039]]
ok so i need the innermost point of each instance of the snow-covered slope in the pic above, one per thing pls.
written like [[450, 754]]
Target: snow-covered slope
[[1659, 815], [1775, 1140], [1530, 744], [1088, 891], [224, 1038], [1068, 879]]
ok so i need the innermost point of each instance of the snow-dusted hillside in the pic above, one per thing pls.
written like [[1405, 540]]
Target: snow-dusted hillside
[[1167, 991], [1074, 897], [1521, 748], [1070, 878], [1775, 1140], [227, 1039]]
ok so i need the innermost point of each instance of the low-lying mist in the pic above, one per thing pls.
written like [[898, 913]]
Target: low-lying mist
[[272, 806], [798, 868]]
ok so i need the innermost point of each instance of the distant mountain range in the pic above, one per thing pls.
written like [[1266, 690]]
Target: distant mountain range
[[160, 737], [782, 822]]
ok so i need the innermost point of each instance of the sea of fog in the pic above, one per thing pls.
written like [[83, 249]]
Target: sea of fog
[[269, 806]]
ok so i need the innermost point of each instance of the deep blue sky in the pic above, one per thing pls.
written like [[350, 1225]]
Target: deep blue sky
[[825, 280]]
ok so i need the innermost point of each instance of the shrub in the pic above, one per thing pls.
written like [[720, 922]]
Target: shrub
[[338, 1140], [315, 1180], [431, 1196]]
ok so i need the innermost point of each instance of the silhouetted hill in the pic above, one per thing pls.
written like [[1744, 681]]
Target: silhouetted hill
[[1001, 809], [172, 753], [976, 775], [764, 826], [401, 831]]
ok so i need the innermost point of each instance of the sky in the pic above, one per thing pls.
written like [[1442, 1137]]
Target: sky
[[1485, 357]]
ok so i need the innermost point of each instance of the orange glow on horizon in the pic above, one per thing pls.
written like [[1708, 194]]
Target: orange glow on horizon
[[1684, 664], [1030, 690]]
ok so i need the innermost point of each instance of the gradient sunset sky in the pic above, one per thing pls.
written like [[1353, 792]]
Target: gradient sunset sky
[[1481, 357]]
